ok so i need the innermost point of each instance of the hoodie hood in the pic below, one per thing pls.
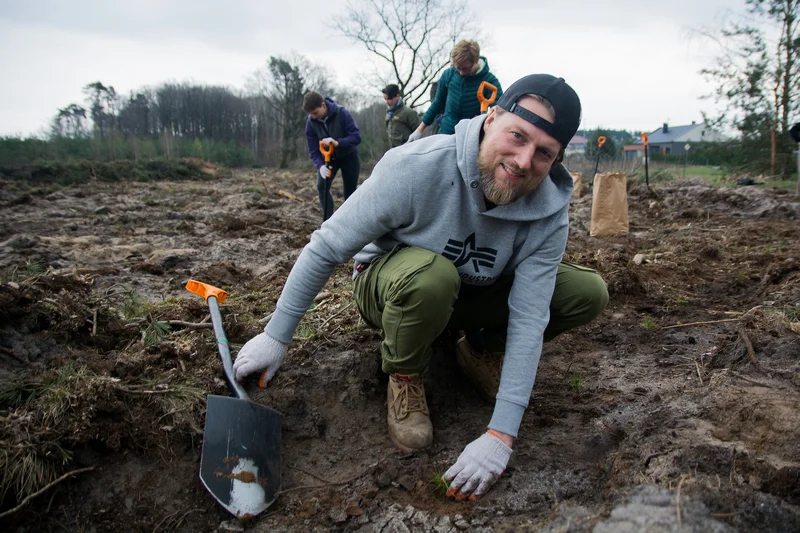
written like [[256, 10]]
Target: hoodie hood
[[550, 197], [332, 109], [483, 67]]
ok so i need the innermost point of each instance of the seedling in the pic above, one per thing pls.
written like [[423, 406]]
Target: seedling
[[792, 313], [155, 332], [440, 484], [32, 266], [304, 332], [134, 306], [649, 324], [576, 383]]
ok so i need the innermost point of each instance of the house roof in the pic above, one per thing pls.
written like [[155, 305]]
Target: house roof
[[579, 139], [658, 136]]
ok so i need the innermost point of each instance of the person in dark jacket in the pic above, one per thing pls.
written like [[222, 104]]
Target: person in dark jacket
[[401, 120], [332, 124], [457, 90]]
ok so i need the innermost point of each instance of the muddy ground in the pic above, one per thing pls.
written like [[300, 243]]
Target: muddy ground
[[679, 407]]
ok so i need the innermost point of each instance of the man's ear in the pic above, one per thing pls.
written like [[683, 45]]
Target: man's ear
[[490, 117]]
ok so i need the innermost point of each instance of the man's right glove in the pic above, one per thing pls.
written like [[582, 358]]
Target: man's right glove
[[481, 463], [325, 172], [262, 352], [415, 135]]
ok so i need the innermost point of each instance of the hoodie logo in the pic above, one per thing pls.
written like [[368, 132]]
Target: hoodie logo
[[461, 253]]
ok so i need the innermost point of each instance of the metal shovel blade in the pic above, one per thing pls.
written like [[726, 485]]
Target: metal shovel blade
[[241, 458]]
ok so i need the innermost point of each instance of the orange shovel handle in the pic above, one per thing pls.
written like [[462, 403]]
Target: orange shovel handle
[[327, 150], [205, 290], [486, 102], [601, 141]]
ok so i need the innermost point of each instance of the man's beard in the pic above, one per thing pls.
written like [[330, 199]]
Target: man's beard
[[496, 193]]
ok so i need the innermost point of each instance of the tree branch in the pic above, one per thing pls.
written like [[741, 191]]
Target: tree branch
[[44, 489]]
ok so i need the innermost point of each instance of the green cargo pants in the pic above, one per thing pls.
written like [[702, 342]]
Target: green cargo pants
[[413, 295]]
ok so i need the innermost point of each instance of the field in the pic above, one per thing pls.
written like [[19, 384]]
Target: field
[[679, 407]]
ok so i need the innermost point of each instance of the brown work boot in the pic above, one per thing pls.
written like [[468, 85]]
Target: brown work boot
[[481, 368], [410, 425]]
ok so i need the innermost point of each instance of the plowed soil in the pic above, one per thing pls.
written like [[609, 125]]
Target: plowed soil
[[688, 382]]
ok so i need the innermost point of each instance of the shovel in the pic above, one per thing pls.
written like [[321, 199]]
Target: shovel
[[646, 149], [327, 151], [486, 102], [241, 460], [600, 142]]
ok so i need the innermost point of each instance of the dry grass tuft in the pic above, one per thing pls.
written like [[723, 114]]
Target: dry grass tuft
[[182, 407], [778, 320], [25, 468]]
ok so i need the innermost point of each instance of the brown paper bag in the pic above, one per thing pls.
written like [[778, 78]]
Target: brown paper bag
[[609, 204], [577, 183]]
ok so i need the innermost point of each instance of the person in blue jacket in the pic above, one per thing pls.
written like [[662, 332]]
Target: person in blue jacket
[[457, 90], [332, 124]]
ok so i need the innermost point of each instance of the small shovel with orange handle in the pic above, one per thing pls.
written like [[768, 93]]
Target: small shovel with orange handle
[[486, 102], [600, 142], [646, 142], [240, 463], [327, 152]]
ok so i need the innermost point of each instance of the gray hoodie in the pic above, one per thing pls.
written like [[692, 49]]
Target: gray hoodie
[[427, 194]]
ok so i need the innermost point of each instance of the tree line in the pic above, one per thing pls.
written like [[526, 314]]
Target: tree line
[[263, 123]]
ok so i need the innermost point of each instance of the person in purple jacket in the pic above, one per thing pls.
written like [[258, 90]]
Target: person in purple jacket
[[332, 124]]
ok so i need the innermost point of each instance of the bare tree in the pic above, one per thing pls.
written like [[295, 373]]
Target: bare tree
[[281, 84], [410, 40]]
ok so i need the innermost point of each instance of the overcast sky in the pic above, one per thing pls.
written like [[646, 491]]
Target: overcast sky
[[633, 63]]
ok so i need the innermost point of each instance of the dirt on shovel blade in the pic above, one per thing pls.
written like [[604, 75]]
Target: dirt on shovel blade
[[241, 458], [679, 405]]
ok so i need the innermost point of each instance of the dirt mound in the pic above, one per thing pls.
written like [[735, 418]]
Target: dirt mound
[[690, 199], [85, 171], [678, 406]]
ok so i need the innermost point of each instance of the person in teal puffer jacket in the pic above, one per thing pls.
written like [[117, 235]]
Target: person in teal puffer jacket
[[457, 92]]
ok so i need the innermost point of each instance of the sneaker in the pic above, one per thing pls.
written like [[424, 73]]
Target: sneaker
[[409, 421], [481, 368]]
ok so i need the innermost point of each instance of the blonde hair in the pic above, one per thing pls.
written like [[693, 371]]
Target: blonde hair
[[465, 52]]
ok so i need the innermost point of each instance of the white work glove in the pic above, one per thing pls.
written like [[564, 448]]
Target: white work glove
[[415, 135], [481, 463], [325, 172], [262, 352], [330, 140]]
